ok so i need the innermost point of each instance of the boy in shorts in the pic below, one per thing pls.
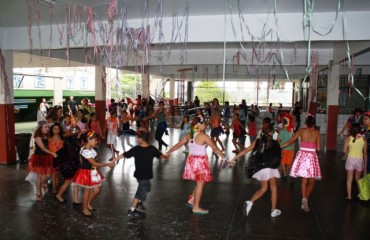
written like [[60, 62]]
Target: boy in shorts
[[143, 153]]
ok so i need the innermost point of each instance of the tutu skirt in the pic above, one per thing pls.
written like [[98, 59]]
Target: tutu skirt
[[111, 138], [197, 169], [266, 174], [41, 164], [306, 165], [85, 178]]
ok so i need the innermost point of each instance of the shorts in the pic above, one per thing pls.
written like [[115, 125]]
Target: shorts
[[355, 164], [143, 189], [287, 157]]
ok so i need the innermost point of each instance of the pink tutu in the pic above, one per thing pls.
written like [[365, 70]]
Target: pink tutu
[[84, 178], [306, 165], [197, 169], [41, 164], [266, 174]]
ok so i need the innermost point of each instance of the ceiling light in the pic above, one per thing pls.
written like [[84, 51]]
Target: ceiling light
[[48, 2]]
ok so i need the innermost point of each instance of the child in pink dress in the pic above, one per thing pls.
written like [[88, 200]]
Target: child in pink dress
[[197, 166], [306, 164]]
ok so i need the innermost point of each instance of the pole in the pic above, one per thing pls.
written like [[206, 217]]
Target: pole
[[224, 63]]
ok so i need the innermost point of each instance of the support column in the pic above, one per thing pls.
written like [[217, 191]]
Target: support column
[[172, 88], [332, 108], [7, 128], [100, 95], [145, 85], [58, 91]]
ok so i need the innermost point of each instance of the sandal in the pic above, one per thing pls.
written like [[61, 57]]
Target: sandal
[[60, 201], [201, 212], [45, 188]]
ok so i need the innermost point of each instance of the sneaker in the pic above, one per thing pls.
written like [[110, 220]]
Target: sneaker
[[134, 213], [247, 207], [275, 213], [140, 206], [304, 205]]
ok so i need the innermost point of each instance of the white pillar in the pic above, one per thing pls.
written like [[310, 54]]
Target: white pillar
[[58, 91], [333, 86], [172, 88], [145, 85]]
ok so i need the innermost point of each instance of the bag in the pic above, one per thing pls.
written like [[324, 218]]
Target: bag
[[364, 188], [95, 176], [31, 177], [269, 158]]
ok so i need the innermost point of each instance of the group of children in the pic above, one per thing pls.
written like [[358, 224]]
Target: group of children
[[50, 156]]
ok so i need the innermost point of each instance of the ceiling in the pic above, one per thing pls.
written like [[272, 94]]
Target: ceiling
[[14, 13]]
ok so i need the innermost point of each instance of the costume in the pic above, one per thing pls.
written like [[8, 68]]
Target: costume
[[112, 131], [217, 130], [355, 159], [41, 162], [306, 163], [87, 175], [94, 127], [197, 166], [69, 157], [287, 152], [55, 146]]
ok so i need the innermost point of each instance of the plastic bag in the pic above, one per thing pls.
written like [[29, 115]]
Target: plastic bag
[[31, 177], [364, 188]]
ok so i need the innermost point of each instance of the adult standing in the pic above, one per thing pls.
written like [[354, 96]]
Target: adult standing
[[72, 106], [43, 110], [306, 164], [196, 101], [355, 118], [297, 115], [161, 115], [243, 112]]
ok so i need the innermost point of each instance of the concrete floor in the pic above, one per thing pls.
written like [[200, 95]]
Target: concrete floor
[[168, 218]]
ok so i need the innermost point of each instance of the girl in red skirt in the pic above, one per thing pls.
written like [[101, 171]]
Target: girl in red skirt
[[41, 162], [88, 176], [197, 166]]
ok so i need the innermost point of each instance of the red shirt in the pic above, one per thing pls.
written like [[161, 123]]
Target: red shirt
[[252, 129]]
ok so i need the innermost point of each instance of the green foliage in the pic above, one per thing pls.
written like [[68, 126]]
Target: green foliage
[[126, 87], [206, 91]]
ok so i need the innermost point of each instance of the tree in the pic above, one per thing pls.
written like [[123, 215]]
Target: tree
[[126, 86], [206, 91]]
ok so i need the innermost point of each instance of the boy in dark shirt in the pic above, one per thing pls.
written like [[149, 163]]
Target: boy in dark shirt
[[143, 153]]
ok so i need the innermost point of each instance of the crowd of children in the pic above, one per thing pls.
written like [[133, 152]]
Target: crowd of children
[[69, 149]]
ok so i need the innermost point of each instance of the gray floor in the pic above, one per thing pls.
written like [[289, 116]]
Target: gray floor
[[168, 218]]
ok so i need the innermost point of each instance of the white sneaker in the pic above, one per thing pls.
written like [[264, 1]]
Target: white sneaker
[[275, 213], [247, 207], [304, 205]]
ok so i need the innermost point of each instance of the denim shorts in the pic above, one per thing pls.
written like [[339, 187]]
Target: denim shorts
[[143, 189]]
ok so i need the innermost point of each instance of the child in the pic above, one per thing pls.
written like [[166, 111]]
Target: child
[[41, 162], [185, 129], [367, 136], [356, 146], [238, 127], [226, 117], [252, 129], [126, 132], [287, 153], [67, 123], [197, 166], [143, 154], [217, 130], [94, 125], [112, 133], [306, 164], [81, 120], [55, 143], [88, 176], [267, 175]]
